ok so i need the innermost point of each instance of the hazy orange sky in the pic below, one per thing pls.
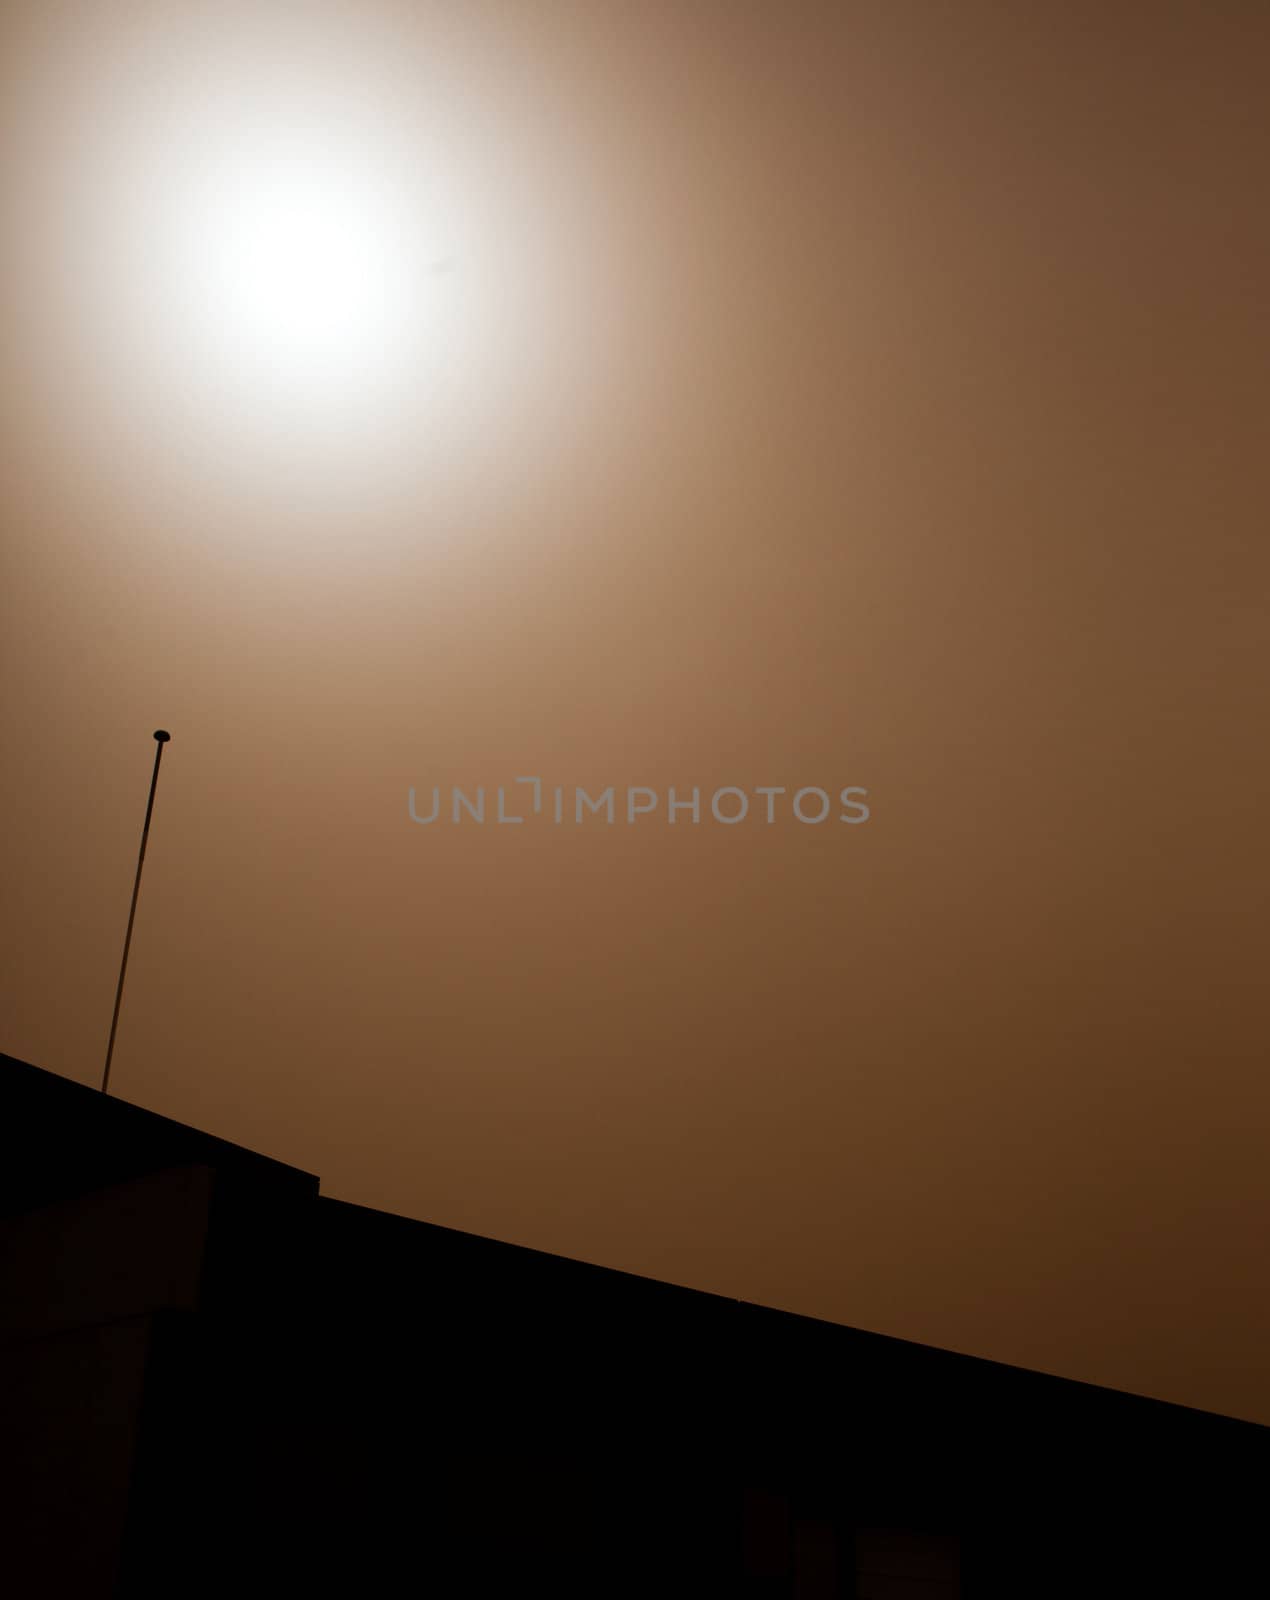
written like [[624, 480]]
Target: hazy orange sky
[[808, 395]]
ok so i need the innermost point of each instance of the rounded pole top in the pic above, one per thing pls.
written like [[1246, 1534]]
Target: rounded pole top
[[162, 735]]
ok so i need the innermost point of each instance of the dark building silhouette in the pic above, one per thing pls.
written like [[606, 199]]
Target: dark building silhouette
[[217, 1381]]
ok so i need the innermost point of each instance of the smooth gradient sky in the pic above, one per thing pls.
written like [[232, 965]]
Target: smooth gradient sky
[[801, 394]]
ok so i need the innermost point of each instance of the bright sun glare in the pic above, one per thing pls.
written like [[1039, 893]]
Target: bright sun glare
[[305, 264], [294, 265], [297, 265]]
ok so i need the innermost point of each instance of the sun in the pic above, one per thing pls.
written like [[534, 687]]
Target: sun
[[294, 264], [297, 267], [321, 267]]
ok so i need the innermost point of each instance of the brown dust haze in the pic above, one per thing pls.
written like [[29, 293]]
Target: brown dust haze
[[865, 394]]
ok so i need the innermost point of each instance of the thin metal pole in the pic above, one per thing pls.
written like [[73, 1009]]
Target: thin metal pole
[[161, 738]]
